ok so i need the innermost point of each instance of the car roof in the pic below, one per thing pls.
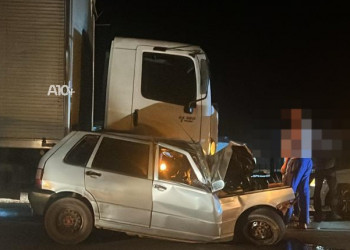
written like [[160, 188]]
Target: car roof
[[174, 142]]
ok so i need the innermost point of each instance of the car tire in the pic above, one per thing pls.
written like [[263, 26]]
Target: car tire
[[263, 226], [68, 221]]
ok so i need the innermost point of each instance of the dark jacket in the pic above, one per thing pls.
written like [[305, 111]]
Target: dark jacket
[[323, 163]]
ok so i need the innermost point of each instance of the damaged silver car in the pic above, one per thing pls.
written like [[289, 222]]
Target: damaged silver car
[[151, 187]]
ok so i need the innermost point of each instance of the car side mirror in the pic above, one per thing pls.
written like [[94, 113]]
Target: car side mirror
[[217, 185]]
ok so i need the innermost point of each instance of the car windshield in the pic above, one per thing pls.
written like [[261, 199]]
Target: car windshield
[[200, 160], [196, 152]]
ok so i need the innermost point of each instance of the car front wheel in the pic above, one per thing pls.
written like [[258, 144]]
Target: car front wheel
[[68, 221], [263, 226]]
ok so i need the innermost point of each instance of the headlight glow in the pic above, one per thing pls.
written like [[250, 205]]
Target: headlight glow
[[212, 148]]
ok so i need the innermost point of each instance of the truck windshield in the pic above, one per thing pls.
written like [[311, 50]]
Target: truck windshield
[[168, 78]]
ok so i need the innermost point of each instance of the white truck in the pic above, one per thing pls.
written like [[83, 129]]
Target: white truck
[[47, 61], [160, 89]]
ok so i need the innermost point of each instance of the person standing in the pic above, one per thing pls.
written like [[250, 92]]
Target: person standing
[[298, 174], [295, 143], [325, 170], [287, 171]]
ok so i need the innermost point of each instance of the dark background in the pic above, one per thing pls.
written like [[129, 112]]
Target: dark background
[[263, 59]]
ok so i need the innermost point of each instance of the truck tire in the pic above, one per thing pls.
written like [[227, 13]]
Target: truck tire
[[68, 221], [263, 226]]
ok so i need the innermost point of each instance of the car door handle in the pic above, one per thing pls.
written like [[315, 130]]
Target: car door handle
[[159, 187], [93, 173]]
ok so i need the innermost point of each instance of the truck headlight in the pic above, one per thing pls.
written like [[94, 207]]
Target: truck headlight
[[212, 148]]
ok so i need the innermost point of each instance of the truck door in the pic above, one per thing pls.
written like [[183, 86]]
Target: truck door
[[164, 83], [182, 206]]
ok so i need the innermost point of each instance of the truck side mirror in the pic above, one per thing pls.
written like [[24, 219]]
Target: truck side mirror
[[204, 85], [188, 108], [217, 185], [204, 76]]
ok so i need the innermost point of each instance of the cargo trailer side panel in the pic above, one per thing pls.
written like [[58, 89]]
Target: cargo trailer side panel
[[32, 57]]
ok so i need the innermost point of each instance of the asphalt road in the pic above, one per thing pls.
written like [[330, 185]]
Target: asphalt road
[[28, 233]]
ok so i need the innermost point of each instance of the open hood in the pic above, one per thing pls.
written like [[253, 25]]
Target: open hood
[[233, 163], [219, 162]]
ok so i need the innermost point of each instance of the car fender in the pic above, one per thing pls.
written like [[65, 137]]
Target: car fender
[[80, 193]]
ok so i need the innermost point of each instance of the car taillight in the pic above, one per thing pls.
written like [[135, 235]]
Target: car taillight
[[39, 177]]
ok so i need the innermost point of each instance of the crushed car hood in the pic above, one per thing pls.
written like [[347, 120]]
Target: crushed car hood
[[233, 164]]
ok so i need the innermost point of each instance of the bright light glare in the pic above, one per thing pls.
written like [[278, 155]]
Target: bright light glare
[[312, 184], [212, 148], [46, 184], [162, 167]]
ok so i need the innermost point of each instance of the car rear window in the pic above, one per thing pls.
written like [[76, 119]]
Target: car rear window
[[125, 157], [79, 155]]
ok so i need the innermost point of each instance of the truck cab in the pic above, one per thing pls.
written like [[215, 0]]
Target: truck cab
[[160, 89]]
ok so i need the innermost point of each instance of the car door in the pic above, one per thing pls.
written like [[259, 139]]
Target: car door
[[182, 205], [119, 177], [164, 83]]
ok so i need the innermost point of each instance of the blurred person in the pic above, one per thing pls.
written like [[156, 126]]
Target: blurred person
[[287, 176], [296, 143], [300, 170], [283, 171]]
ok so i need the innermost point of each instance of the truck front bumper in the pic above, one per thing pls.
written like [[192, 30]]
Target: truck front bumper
[[38, 200]]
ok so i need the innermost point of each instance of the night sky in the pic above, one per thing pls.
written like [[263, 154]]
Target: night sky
[[263, 58]]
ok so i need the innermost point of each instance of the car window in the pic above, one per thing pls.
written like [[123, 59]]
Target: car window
[[79, 155], [174, 166], [125, 157], [168, 78]]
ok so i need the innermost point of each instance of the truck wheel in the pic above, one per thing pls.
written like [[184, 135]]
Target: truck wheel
[[263, 226], [68, 221]]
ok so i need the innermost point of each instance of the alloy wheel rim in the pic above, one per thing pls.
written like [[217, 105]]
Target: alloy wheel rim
[[69, 221], [260, 230]]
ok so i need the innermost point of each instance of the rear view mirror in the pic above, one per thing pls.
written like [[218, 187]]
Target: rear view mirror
[[204, 76], [188, 108], [217, 185]]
